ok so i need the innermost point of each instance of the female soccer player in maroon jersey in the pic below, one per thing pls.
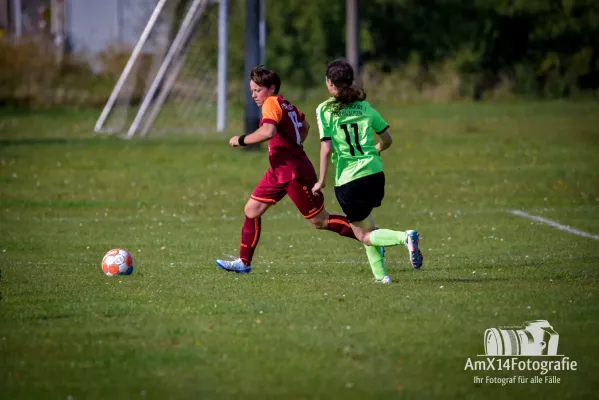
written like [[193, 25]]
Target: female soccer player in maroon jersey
[[291, 172]]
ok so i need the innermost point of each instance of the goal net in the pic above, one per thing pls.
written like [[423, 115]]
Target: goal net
[[171, 82]]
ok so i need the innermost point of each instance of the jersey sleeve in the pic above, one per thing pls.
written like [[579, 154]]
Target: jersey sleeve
[[271, 111], [378, 123], [323, 125]]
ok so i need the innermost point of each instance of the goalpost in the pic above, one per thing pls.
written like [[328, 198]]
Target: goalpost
[[176, 77]]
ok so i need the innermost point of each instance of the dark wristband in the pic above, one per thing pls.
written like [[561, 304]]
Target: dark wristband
[[242, 140]]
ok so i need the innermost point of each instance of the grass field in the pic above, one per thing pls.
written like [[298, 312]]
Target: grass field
[[308, 322]]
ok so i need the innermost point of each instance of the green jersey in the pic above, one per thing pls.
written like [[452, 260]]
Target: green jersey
[[351, 133]]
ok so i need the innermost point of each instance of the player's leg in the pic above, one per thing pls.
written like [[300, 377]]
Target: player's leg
[[388, 237], [336, 223], [266, 193], [357, 205], [250, 235], [250, 232], [375, 254], [360, 200], [312, 208]]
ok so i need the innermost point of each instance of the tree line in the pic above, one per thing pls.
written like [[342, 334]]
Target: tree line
[[546, 47]]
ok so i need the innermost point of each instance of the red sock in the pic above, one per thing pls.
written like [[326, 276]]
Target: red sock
[[250, 235], [340, 224]]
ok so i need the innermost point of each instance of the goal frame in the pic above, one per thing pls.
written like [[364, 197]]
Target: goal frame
[[162, 83]]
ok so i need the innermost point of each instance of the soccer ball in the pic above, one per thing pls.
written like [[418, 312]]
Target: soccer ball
[[117, 262]]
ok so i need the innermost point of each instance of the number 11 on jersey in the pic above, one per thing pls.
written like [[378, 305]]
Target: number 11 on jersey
[[356, 138]]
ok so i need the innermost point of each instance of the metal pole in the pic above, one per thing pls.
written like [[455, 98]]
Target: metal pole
[[18, 16], [262, 31], [117, 22], [252, 58], [129, 67], [57, 27], [352, 50], [223, 63], [182, 34]]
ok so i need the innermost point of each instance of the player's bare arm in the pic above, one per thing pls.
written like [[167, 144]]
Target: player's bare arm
[[262, 134], [385, 141], [326, 148]]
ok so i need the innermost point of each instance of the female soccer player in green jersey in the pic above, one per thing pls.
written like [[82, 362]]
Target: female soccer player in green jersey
[[347, 125]]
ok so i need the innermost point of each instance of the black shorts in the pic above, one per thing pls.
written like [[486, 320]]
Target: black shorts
[[358, 198]]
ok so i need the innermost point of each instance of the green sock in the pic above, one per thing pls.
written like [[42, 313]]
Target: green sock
[[387, 237], [377, 261]]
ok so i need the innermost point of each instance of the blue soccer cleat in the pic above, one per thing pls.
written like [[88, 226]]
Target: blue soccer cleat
[[412, 239], [236, 265]]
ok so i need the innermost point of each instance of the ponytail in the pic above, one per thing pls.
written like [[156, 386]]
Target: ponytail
[[341, 73], [347, 95]]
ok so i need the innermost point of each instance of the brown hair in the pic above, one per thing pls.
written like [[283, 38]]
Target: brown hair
[[341, 73], [265, 77]]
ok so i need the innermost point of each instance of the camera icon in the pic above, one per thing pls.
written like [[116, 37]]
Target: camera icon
[[536, 338]]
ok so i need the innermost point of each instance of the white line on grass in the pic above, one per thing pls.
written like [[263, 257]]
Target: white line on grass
[[555, 224]]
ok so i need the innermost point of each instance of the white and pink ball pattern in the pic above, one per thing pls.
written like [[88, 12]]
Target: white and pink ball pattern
[[117, 262]]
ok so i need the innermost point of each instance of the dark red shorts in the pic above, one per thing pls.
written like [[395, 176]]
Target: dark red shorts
[[299, 190]]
